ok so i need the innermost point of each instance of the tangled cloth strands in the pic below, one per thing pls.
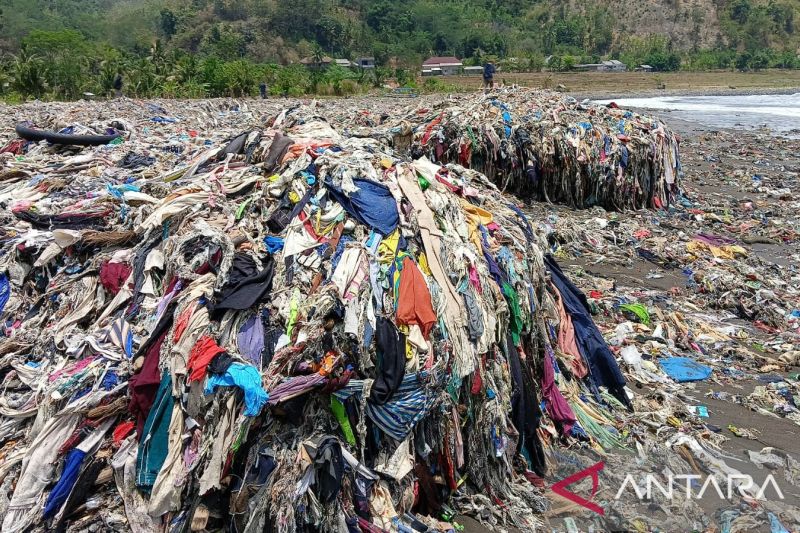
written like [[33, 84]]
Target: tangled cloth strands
[[544, 146], [309, 331]]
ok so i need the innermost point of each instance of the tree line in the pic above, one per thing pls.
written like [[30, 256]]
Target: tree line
[[207, 48]]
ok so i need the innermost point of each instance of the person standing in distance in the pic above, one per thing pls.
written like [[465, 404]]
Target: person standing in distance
[[488, 76], [118, 85]]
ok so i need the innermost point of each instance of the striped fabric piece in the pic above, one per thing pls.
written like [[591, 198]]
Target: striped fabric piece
[[294, 387], [397, 417], [120, 334]]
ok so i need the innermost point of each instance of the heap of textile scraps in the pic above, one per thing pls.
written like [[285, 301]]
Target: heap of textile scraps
[[288, 331], [548, 147]]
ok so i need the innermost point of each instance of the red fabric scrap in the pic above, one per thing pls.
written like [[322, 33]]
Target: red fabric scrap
[[201, 355], [122, 431], [414, 305], [113, 275]]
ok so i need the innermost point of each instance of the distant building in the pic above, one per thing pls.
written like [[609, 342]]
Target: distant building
[[645, 68], [442, 66], [612, 65], [473, 71], [344, 63], [365, 62], [317, 64]]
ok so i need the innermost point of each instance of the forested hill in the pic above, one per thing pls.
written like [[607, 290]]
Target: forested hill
[[272, 31]]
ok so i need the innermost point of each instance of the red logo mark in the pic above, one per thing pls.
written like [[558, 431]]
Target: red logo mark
[[560, 487]]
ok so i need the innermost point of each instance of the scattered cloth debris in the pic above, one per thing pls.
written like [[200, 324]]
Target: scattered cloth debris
[[279, 315]]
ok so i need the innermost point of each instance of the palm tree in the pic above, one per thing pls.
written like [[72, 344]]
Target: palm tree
[[143, 77], [317, 60], [28, 74], [106, 76], [5, 77], [186, 68], [317, 57], [158, 56]]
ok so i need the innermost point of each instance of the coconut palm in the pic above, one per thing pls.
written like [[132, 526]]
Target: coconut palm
[[28, 74]]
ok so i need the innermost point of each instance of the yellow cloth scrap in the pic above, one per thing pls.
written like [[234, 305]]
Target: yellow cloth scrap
[[387, 249], [475, 217], [720, 252], [422, 263]]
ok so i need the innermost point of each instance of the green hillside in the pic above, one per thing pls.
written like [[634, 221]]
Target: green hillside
[[115, 34]]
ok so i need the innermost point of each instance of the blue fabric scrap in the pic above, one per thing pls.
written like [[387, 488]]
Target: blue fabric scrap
[[683, 369]]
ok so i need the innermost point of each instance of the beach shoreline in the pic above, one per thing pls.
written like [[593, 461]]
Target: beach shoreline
[[705, 91]]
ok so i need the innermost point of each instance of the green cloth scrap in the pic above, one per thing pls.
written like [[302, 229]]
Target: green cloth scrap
[[337, 408], [516, 324], [240, 210], [423, 183], [639, 310]]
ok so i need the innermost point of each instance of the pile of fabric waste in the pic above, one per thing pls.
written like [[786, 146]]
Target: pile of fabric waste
[[700, 302], [297, 316], [545, 146], [289, 329]]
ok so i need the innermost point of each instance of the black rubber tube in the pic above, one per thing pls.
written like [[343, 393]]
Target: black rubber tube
[[36, 135]]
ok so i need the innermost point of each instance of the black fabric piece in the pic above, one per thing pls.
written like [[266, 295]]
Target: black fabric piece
[[249, 474], [220, 363], [336, 312], [219, 501], [288, 263], [265, 464], [285, 213], [391, 344], [292, 410], [65, 141], [279, 218], [248, 284], [353, 411], [34, 310], [62, 221], [525, 412], [133, 160], [80, 491], [280, 145], [235, 146], [329, 469], [271, 336], [603, 367], [184, 526], [250, 149], [242, 462], [372, 444], [138, 274]]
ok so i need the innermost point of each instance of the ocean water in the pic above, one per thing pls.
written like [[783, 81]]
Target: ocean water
[[778, 112]]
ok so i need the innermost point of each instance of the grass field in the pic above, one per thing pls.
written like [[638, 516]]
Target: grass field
[[625, 83]]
